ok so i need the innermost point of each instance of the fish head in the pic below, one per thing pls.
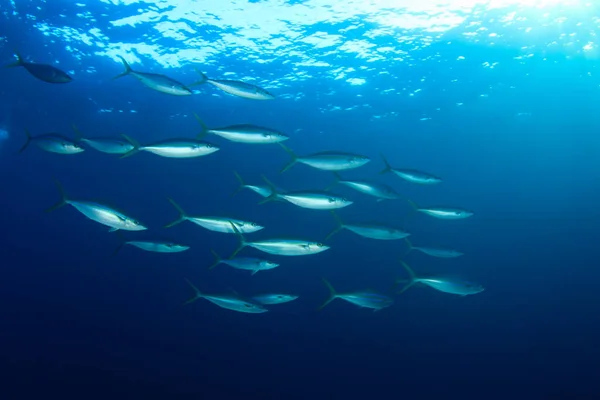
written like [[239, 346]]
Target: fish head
[[71, 147], [264, 94], [177, 247], [252, 308], [340, 201], [359, 160], [134, 225], [472, 288], [60, 77], [315, 247], [205, 147], [274, 137], [253, 226], [265, 264], [285, 297], [463, 213]]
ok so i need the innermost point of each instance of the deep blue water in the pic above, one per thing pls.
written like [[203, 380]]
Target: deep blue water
[[516, 143]]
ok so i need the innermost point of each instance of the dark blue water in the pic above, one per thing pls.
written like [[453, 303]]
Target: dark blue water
[[516, 143]]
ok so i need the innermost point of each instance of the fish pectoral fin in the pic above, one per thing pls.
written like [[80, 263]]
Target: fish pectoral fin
[[113, 229]]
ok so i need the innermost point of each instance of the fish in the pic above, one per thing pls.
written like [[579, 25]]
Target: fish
[[100, 213], [244, 133], [365, 298], [158, 82], [264, 191], [315, 200], [236, 88], [107, 145], [411, 175], [280, 247], [248, 263], [154, 246], [326, 160], [376, 189], [215, 224], [448, 213], [274, 298], [368, 230], [43, 72], [173, 148], [53, 143], [445, 285], [229, 302], [439, 252]]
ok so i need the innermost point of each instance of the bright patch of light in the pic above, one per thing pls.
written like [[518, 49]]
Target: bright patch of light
[[356, 81]]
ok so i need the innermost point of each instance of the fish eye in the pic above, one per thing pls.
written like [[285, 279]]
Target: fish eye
[[247, 305], [319, 244], [254, 224]]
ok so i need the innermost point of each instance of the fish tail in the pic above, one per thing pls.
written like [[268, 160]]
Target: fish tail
[[337, 180], [63, 198], [409, 249], [332, 294], [197, 293], [293, 155], [203, 78], [17, 63], [203, 127], [182, 215], [127, 71], [123, 242], [78, 134], [274, 194], [413, 277], [388, 167], [136, 146], [243, 242], [119, 247], [217, 259], [241, 186], [339, 222], [26, 142]]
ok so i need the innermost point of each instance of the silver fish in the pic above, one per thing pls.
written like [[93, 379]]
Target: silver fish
[[173, 148], [236, 88], [154, 246], [233, 303], [445, 285], [216, 224], [158, 82], [376, 189], [315, 200], [365, 298], [264, 191], [100, 213], [274, 298], [107, 145], [411, 175], [247, 263], [439, 252], [43, 72], [280, 247], [53, 143], [245, 133], [369, 230], [442, 212], [326, 160]]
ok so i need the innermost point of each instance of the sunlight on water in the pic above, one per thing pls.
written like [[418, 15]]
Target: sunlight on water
[[3, 136]]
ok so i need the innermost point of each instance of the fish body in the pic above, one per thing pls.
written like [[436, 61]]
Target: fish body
[[229, 302], [369, 230], [173, 148], [451, 286], [100, 213], [53, 143], [365, 298], [264, 191], [245, 133], [216, 224], [446, 212], [158, 82], [157, 247], [43, 72], [253, 264], [316, 200], [237, 88], [376, 189], [274, 298], [327, 160], [439, 252], [411, 175]]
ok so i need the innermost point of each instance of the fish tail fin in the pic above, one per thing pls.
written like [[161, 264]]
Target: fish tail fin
[[412, 280], [409, 249], [241, 186], [63, 198], [119, 247], [182, 215], [337, 180], [27, 142], [243, 242], [136, 146], [123, 242], [294, 157], [340, 225], [17, 63], [388, 167], [127, 71], [274, 194], [197, 293], [78, 134], [203, 78], [332, 294], [203, 127], [218, 259]]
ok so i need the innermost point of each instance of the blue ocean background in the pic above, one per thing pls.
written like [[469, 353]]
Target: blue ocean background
[[510, 121]]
